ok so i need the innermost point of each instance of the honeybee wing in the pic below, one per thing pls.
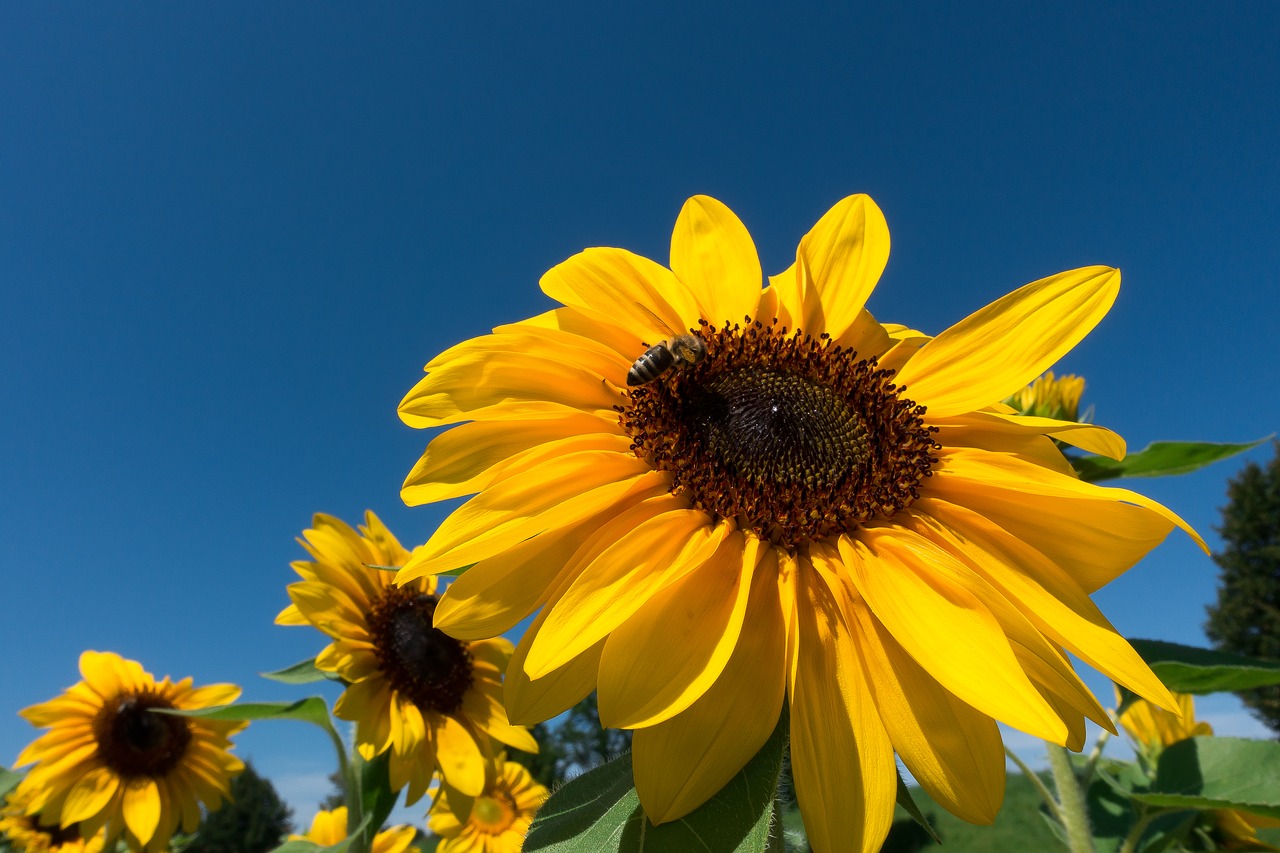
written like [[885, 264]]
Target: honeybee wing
[[659, 322]]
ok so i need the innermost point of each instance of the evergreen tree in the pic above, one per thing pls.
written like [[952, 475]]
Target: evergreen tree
[[1246, 619], [338, 796], [255, 821]]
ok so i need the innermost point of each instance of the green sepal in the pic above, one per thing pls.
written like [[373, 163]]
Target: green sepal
[[1218, 773], [1187, 669], [1159, 459], [599, 812], [908, 804], [9, 780], [302, 672]]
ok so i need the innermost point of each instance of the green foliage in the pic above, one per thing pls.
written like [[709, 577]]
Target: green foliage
[[302, 672], [1187, 669], [1158, 459], [1246, 617], [254, 821], [599, 812], [545, 764], [575, 744]]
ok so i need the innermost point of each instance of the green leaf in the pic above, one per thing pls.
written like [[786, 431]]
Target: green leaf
[[450, 573], [1188, 669], [1218, 773], [599, 812], [9, 780], [1159, 459], [302, 672], [376, 796]]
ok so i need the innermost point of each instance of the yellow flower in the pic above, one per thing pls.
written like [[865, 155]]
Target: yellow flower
[[821, 507], [26, 834], [1152, 729], [431, 700], [107, 762], [1048, 397], [494, 822], [329, 828]]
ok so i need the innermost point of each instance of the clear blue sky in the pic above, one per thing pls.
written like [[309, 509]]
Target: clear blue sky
[[231, 235]]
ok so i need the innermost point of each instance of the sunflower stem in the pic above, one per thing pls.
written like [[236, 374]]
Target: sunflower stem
[[1135, 833], [1072, 812], [1091, 764], [1034, 778], [353, 772]]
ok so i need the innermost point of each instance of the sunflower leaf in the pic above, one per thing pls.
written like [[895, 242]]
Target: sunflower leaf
[[9, 779], [1159, 459], [1218, 773], [599, 812], [302, 672], [1187, 669]]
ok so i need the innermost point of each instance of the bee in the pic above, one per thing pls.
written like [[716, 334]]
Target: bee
[[679, 351]]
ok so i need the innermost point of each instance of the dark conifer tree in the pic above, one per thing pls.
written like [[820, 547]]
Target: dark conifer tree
[[1246, 619], [255, 821]]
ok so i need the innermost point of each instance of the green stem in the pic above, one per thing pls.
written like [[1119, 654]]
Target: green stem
[[1050, 803], [1074, 817], [1092, 763], [353, 772], [1135, 834]]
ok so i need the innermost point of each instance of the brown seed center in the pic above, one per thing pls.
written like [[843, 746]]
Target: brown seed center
[[422, 663], [135, 742]]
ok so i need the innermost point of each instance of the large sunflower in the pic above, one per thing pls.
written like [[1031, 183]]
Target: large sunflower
[[494, 822], [821, 508], [109, 763], [431, 700]]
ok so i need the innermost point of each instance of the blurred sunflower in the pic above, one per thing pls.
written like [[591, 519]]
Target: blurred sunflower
[[1152, 729], [108, 763], [329, 828], [24, 832], [806, 503], [431, 700], [494, 822]]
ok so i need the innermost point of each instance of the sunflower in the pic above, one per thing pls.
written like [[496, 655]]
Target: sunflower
[[1051, 397], [494, 822], [107, 763], [24, 832], [329, 828], [804, 504], [431, 700]]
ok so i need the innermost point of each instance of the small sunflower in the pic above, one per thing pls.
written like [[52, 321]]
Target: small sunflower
[[1051, 397], [108, 763], [494, 822], [329, 828], [431, 700], [802, 503], [26, 834]]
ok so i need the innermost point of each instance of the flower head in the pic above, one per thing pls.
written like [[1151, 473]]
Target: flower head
[[1050, 397], [431, 700], [111, 761], [811, 505], [329, 828], [494, 822], [24, 832]]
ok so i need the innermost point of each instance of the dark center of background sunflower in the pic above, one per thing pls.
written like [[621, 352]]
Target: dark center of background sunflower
[[135, 742], [795, 437], [423, 664]]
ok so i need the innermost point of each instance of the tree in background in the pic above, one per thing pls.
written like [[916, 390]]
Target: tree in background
[[573, 745], [1246, 619], [255, 821]]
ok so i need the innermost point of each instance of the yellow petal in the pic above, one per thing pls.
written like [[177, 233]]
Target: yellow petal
[[947, 629], [505, 385], [469, 457], [555, 494], [530, 702], [844, 255], [841, 757], [142, 808], [625, 343], [1049, 597], [461, 761], [626, 289], [682, 762], [658, 662], [990, 428], [90, 795], [714, 256], [952, 750], [997, 350], [617, 583]]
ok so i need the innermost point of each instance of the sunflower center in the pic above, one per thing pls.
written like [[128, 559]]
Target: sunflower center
[[134, 742], [493, 815], [795, 438], [424, 664]]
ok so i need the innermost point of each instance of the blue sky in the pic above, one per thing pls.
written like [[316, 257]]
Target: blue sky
[[230, 237]]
